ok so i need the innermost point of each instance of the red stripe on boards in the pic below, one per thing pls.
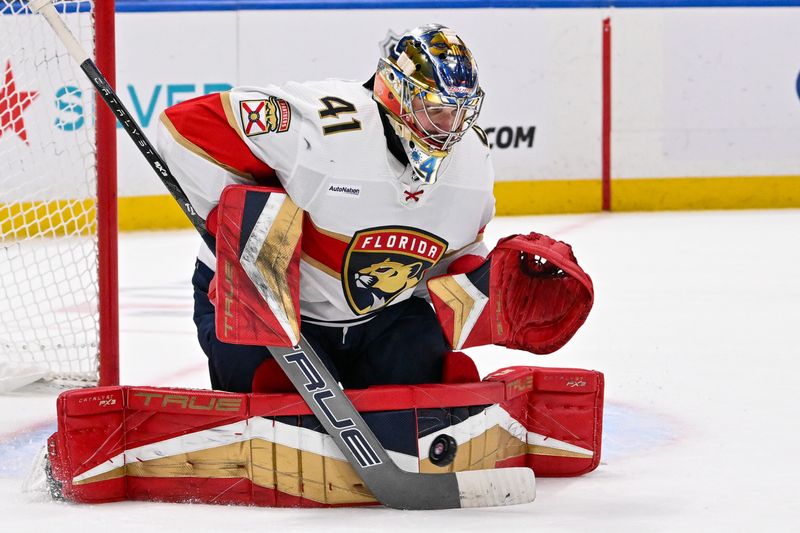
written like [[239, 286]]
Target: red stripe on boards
[[606, 135]]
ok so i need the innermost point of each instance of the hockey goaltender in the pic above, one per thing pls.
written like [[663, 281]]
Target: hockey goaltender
[[347, 217]]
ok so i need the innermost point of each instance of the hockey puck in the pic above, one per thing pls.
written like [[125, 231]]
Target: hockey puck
[[443, 450]]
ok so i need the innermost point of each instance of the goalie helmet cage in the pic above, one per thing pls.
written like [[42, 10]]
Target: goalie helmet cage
[[58, 199]]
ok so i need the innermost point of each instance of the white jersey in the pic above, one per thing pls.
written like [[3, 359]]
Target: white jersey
[[372, 235]]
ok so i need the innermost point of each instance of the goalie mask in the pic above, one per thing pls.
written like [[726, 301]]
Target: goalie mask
[[429, 87]]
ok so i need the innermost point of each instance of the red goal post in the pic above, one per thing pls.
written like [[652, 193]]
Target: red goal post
[[58, 201]]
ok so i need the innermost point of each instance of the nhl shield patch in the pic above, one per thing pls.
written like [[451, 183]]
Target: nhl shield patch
[[265, 116], [381, 263]]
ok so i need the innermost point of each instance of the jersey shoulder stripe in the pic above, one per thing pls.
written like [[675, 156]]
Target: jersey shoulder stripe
[[206, 127]]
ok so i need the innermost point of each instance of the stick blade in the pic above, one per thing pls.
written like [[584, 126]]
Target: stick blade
[[501, 486]]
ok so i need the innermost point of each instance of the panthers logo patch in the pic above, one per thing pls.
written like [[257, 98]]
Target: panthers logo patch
[[381, 263]]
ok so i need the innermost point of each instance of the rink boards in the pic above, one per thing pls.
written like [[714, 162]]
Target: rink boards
[[704, 102]]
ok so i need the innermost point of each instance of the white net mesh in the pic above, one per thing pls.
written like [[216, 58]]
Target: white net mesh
[[48, 182]]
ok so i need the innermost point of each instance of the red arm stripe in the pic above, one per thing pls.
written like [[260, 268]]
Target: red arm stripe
[[206, 126], [323, 249]]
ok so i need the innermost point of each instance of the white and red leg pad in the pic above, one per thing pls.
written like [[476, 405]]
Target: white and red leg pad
[[562, 411], [159, 444]]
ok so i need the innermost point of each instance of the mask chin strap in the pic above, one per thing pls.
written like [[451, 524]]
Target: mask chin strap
[[400, 129]]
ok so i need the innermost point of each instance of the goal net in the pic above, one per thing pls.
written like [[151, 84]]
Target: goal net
[[57, 264]]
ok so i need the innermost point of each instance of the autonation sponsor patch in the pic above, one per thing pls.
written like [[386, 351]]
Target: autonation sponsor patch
[[349, 191]]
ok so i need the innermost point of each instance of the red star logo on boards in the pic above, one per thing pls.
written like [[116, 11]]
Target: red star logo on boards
[[12, 104]]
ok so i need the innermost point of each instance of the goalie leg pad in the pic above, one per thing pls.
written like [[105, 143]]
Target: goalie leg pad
[[159, 444], [562, 413]]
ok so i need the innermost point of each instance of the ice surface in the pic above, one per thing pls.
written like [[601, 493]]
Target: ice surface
[[696, 326]]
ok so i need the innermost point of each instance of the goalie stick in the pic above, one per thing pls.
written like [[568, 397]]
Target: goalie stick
[[391, 485]]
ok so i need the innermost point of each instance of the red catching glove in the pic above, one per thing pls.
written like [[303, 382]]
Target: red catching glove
[[530, 294]]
